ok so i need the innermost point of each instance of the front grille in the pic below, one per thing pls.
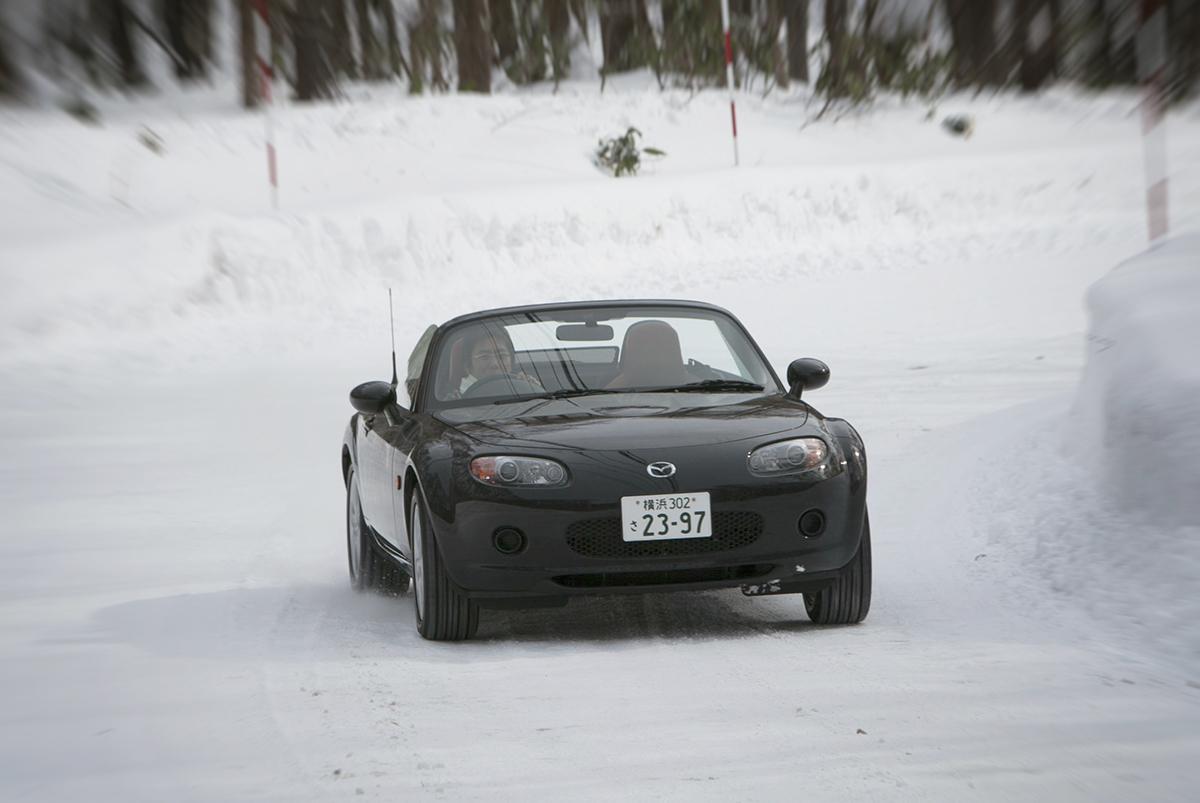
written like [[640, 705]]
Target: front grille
[[632, 579], [601, 538]]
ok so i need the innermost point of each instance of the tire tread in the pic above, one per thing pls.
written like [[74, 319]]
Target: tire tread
[[450, 615], [848, 599]]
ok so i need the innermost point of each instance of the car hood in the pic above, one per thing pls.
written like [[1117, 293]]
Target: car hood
[[630, 421]]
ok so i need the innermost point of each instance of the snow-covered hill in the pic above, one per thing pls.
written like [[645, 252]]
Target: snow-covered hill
[[174, 361]]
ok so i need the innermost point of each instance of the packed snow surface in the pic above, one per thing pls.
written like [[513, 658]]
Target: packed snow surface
[[175, 619]]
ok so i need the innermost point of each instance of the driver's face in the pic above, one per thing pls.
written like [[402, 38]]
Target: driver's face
[[490, 359]]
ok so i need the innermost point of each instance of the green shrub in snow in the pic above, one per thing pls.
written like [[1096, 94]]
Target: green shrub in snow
[[620, 155]]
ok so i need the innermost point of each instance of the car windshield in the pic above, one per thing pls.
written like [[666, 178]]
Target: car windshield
[[584, 351]]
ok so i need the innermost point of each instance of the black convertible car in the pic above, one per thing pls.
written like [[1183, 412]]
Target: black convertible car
[[536, 453]]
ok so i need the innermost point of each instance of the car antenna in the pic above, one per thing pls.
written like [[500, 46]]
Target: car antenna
[[392, 321]]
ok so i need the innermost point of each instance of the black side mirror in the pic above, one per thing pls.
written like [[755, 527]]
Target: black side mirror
[[372, 397], [806, 374]]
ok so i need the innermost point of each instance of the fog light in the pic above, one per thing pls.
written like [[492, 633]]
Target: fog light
[[508, 540], [812, 523]]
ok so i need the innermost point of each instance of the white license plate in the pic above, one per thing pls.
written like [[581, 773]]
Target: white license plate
[[664, 516]]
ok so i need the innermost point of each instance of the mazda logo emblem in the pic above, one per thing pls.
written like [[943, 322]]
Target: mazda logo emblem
[[662, 469]]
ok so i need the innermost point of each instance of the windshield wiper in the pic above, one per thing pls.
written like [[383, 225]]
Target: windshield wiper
[[565, 393], [707, 385]]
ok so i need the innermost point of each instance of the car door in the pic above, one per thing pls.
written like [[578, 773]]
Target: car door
[[374, 467], [393, 435]]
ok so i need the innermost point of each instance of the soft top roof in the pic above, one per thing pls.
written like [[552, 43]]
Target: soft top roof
[[570, 305]]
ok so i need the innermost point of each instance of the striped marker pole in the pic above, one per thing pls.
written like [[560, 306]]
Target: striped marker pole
[[1152, 73], [262, 39], [729, 75]]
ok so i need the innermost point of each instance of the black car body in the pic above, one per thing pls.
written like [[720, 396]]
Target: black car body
[[417, 507]]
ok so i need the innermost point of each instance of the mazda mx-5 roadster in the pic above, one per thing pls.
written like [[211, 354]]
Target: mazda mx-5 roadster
[[532, 454]]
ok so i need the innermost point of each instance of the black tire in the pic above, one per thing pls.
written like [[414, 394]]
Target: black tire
[[368, 568], [848, 600], [443, 612]]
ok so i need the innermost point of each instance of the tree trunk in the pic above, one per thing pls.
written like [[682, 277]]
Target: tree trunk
[[624, 29], [972, 30], [797, 40], [425, 48], [249, 57], [208, 50], [558, 19], [198, 33], [1097, 69], [395, 55], [186, 24], [1035, 29], [870, 7], [1183, 47], [503, 25], [472, 43], [369, 57], [959, 45], [10, 78], [835, 69], [533, 34], [416, 60], [342, 44], [693, 44], [310, 37], [579, 10], [778, 55], [118, 22], [671, 56], [431, 22]]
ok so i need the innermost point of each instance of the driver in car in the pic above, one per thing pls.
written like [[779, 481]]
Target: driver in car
[[491, 354]]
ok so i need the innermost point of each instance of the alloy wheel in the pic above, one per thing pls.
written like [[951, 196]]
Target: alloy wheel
[[354, 533], [418, 560]]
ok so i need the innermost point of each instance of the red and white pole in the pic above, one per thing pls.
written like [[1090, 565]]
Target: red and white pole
[[1152, 72], [729, 75], [262, 39]]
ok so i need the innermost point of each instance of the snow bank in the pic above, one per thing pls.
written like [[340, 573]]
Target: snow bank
[[1087, 504], [445, 199], [1138, 409], [1110, 524]]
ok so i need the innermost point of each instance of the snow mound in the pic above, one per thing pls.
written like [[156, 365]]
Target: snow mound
[[1138, 408], [1098, 505]]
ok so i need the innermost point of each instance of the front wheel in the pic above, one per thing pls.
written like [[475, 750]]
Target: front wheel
[[444, 613], [848, 599]]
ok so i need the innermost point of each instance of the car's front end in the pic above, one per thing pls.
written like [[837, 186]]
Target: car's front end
[[535, 511]]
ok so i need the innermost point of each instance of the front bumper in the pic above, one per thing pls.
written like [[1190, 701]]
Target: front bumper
[[574, 547]]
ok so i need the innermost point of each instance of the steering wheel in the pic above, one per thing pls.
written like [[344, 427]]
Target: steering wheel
[[492, 384]]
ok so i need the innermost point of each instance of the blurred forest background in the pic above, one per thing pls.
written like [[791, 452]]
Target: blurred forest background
[[848, 49]]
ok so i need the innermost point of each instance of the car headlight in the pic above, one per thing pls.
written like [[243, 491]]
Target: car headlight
[[515, 472], [796, 456]]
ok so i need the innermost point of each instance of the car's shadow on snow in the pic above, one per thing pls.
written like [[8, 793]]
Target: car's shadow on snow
[[331, 621], [685, 615]]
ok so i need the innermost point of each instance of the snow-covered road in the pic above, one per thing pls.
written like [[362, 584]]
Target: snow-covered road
[[175, 620]]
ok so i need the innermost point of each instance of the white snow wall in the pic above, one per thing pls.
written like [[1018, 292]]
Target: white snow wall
[[1139, 401]]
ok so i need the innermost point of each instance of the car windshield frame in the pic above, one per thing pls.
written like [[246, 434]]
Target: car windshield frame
[[570, 313]]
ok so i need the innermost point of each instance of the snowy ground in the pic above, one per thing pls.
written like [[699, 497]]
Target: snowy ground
[[174, 359]]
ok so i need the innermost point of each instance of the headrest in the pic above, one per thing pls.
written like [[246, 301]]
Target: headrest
[[650, 342]]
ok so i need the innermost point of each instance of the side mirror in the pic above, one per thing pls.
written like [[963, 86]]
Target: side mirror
[[372, 397], [806, 374]]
